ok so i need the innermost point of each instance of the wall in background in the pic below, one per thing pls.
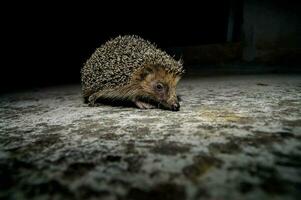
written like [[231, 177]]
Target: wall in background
[[258, 31], [271, 31]]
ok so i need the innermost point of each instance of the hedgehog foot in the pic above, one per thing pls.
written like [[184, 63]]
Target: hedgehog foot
[[143, 105], [92, 100]]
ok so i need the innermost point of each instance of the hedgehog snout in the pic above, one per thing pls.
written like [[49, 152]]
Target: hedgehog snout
[[175, 106], [173, 103]]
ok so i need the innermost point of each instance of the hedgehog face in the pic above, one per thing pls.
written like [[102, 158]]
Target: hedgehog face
[[160, 86], [165, 94]]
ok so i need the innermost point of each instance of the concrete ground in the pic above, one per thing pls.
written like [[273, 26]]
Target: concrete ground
[[235, 137]]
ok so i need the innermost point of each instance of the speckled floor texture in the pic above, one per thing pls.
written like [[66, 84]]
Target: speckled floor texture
[[235, 137]]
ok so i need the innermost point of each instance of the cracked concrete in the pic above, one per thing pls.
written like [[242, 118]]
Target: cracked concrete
[[235, 137]]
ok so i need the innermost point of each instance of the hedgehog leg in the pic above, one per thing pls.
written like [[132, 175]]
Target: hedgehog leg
[[92, 99], [109, 96], [143, 105]]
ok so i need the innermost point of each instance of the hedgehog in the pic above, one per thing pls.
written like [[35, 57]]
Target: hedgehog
[[131, 69]]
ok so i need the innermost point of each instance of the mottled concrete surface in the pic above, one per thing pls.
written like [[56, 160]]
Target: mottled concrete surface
[[236, 137]]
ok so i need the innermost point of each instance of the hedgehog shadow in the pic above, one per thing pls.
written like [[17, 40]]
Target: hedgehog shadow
[[115, 103]]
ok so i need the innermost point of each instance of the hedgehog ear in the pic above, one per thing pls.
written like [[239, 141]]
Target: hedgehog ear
[[145, 72]]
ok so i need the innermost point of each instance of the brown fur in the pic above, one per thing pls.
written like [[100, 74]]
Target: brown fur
[[157, 74], [140, 86]]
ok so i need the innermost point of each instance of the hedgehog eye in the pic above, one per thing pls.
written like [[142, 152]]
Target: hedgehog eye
[[159, 86]]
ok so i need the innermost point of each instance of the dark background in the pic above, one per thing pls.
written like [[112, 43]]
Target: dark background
[[47, 44]]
